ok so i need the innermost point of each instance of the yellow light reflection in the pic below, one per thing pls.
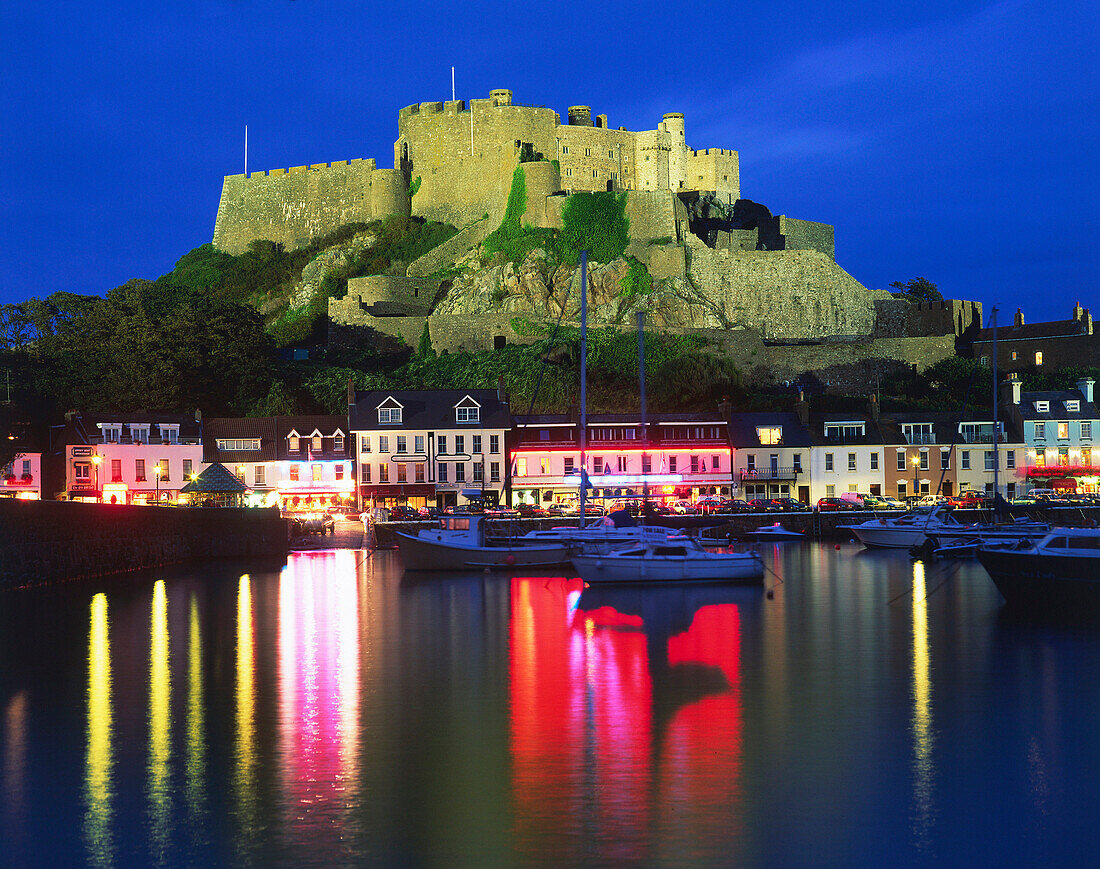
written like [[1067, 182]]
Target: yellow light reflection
[[196, 715], [245, 778], [923, 769], [13, 806], [99, 761], [160, 726]]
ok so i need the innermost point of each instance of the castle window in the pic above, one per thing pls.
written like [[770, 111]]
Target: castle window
[[611, 154], [565, 149], [595, 173], [587, 152], [568, 173], [1013, 355]]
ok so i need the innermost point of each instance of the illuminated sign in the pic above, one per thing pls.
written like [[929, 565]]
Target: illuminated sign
[[624, 479], [82, 451]]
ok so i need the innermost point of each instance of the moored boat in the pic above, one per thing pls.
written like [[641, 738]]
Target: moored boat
[[459, 543], [674, 560], [775, 532], [911, 529], [1059, 573]]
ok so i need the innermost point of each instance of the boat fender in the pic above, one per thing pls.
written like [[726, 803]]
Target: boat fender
[[838, 547], [509, 560]]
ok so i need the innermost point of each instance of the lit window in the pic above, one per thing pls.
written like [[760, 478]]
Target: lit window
[[292, 443], [339, 472], [1038, 357], [773, 435], [316, 443], [1063, 430], [294, 473], [521, 467], [316, 470], [162, 469], [797, 463], [383, 472], [544, 466], [402, 473], [260, 474], [1013, 355]]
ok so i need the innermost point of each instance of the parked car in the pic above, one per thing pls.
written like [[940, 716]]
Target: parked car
[[500, 511], [833, 505], [790, 505], [464, 509], [530, 511], [765, 505], [405, 513], [563, 508], [887, 503], [710, 504], [970, 500], [684, 506], [735, 505]]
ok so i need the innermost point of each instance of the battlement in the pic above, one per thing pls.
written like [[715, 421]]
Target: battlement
[[369, 164], [712, 152]]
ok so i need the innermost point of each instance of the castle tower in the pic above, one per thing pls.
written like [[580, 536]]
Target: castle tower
[[673, 124], [580, 116]]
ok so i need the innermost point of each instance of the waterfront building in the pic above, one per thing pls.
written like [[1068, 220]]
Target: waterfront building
[[21, 478], [1060, 430], [773, 455], [134, 458], [680, 456], [249, 448], [847, 455], [315, 468], [430, 447]]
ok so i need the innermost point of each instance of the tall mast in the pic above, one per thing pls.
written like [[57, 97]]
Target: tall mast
[[996, 440], [641, 389], [584, 379]]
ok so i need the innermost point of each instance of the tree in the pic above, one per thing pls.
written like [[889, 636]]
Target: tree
[[918, 290], [424, 348]]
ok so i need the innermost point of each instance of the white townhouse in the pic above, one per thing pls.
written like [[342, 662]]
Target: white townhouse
[[772, 452], [22, 477], [430, 447], [847, 456]]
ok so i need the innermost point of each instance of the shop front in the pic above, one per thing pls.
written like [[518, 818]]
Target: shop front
[[1064, 478], [414, 494]]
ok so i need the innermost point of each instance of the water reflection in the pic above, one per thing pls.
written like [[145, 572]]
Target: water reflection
[[160, 729], [244, 779], [626, 708], [921, 723], [99, 759], [195, 769]]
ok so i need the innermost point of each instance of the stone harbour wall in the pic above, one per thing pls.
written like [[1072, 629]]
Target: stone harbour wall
[[54, 541]]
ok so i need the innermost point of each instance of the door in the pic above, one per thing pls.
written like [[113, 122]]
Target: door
[[804, 494]]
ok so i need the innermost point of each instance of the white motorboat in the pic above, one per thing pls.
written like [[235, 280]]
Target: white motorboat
[[992, 536], [1060, 572], [603, 534], [673, 560], [911, 529], [459, 543]]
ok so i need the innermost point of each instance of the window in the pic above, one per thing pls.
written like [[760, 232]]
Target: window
[[1040, 431], [568, 465], [494, 472], [169, 434], [292, 444], [442, 473], [240, 473], [903, 490], [918, 433], [830, 491], [494, 444], [402, 472], [597, 465], [139, 434], [238, 444], [139, 469], [389, 416], [82, 472], [315, 471], [985, 361], [1063, 457], [1038, 357], [479, 473], [338, 443], [945, 460], [1042, 407], [521, 467], [874, 461], [460, 445], [851, 461], [568, 172], [476, 443], [383, 443], [647, 464], [162, 469], [1073, 406], [116, 470], [544, 465], [622, 464], [595, 173], [316, 444], [924, 460], [989, 460], [695, 464], [797, 459], [467, 414], [294, 473], [383, 472], [402, 444], [364, 472], [1040, 459], [364, 445], [901, 460], [460, 473], [750, 462], [828, 461], [441, 445], [611, 154], [565, 149], [112, 434], [672, 464], [964, 460], [845, 429], [715, 464], [1010, 459], [187, 469], [1086, 429], [587, 152], [1013, 355], [544, 434], [418, 472], [260, 474], [1063, 431], [418, 444]]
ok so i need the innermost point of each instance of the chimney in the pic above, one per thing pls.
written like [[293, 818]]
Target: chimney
[[1010, 389], [873, 406], [502, 396], [1085, 387], [1086, 318], [1019, 321], [351, 392], [802, 408], [1077, 312]]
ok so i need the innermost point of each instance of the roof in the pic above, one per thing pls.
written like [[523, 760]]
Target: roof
[[1049, 329], [1057, 399], [426, 409], [81, 427], [743, 429], [215, 479], [240, 428]]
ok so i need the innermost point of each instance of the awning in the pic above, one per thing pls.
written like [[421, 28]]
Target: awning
[[403, 489]]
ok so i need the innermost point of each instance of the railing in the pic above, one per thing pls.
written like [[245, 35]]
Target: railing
[[980, 437], [920, 438], [770, 473]]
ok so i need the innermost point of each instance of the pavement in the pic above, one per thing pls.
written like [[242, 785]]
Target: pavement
[[348, 534]]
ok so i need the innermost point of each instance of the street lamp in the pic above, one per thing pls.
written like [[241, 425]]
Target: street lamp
[[916, 483], [156, 471], [96, 459]]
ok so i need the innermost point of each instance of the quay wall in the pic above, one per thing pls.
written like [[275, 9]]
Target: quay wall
[[52, 541]]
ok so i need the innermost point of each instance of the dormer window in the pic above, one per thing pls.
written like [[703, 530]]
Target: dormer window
[[338, 443], [389, 412], [1073, 406], [467, 411], [169, 434], [112, 434], [1042, 407], [139, 433], [845, 429], [293, 444], [317, 443], [770, 434]]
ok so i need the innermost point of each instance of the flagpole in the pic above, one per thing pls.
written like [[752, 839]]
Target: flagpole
[[452, 84], [584, 378], [641, 389], [246, 150]]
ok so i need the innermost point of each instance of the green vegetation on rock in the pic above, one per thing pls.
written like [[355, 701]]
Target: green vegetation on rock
[[595, 222], [638, 281]]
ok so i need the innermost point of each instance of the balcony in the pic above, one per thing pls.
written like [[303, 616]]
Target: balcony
[[920, 438], [971, 437], [769, 473]]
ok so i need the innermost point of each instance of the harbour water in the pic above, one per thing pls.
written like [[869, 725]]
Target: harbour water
[[874, 710]]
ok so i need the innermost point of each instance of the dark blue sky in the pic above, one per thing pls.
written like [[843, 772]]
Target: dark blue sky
[[954, 140]]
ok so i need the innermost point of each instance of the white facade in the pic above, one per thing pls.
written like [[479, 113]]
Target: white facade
[[22, 479]]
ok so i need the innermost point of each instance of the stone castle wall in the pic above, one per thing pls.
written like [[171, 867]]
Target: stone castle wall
[[807, 235], [896, 318], [292, 206], [452, 249]]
